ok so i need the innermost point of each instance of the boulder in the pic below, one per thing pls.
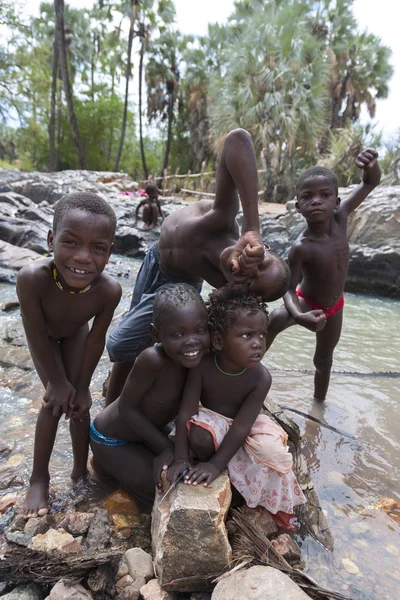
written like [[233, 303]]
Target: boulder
[[258, 583], [153, 591], [190, 542], [63, 591], [12, 259], [140, 564]]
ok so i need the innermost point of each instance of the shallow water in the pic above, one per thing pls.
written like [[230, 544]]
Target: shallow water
[[349, 475]]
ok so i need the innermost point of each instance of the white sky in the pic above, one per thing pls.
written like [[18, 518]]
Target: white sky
[[381, 18]]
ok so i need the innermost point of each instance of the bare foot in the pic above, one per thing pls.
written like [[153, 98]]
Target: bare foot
[[78, 473], [36, 500]]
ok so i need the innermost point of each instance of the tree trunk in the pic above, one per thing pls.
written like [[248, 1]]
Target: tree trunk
[[52, 124], [127, 76], [59, 9], [59, 117], [142, 153], [171, 102]]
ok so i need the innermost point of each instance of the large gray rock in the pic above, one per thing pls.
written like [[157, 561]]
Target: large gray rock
[[258, 583], [189, 538], [29, 591], [12, 259]]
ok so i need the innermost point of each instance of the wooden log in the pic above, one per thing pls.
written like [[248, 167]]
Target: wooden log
[[22, 565], [195, 193]]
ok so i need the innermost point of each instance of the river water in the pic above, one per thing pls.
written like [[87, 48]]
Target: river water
[[350, 476]]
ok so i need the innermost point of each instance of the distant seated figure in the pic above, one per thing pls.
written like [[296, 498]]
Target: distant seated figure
[[151, 207]]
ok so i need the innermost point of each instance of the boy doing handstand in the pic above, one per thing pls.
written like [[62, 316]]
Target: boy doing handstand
[[319, 259], [201, 242], [58, 298], [128, 438], [151, 207], [220, 418]]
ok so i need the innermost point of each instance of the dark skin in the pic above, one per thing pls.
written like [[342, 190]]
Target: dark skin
[[151, 211], [65, 352], [149, 401], [202, 242], [240, 397], [319, 259]]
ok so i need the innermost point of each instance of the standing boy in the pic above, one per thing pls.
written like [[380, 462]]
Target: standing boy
[[58, 298], [201, 242], [319, 259]]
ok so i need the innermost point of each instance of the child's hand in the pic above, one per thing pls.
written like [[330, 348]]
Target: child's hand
[[58, 398], [160, 464], [367, 159], [177, 468], [314, 320], [204, 471], [81, 404], [248, 253]]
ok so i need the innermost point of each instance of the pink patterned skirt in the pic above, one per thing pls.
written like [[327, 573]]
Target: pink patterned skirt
[[262, 469]]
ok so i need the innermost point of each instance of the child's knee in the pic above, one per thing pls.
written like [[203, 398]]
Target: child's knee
[[323, 363], [201, 442]]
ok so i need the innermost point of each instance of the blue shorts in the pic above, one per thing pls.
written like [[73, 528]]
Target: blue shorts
[[98, 437], [132, 334]]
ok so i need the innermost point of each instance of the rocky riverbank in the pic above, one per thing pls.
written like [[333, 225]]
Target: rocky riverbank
[[26, 201]]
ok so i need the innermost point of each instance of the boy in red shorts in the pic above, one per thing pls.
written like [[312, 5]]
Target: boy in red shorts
[[319, 259]]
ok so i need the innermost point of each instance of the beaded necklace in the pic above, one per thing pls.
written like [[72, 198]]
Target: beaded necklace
[[58, 283], [224, 372]]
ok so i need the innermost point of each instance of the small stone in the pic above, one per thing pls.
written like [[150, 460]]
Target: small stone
[[122, 570], [56, 540], [287, 548], [8, 306], [29, 591], [62, 591], [99, 533], [4, 447], [359, 528], [153, 591], [7, 501], [129, 593], [76, 523], [121, 502], [123, 583], [14, 461], [140, 564], [18, 523], [17, 537], [258, 582], [350, 566], [392, 550], [37, 525]]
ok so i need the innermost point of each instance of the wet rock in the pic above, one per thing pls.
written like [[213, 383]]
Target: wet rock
[[20, 232], [140, 566], [121, 502], [123, 583], [153, 591], [189, 523], [12, 259], [9, 306], [287, 548], [17, 537], [62, 591], [29, 591], [7, 501], [350, 566], [6, 520], [262, 520], [18, 523], [122, 570], [11, 356], [76, 523], [56, 540], [99, 533], [5, 448], [258, 583], [37, 525]]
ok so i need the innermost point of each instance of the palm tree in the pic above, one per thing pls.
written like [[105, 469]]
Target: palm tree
[[128, 73], [60, 37], [273, 84]]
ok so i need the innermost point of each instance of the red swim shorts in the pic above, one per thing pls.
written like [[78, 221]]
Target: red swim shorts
[[328, 310]]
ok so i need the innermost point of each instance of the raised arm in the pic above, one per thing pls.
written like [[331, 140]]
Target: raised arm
[[314, 320], [45, 350], [94, 346], [367, 160], [189, 407], [236, 436]]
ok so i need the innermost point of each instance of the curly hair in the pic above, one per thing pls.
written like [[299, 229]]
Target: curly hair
[[225, 303], [173, 296], [317, 172], [87, 202]]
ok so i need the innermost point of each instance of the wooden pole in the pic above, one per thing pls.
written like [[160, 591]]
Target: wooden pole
[[164, 183]]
